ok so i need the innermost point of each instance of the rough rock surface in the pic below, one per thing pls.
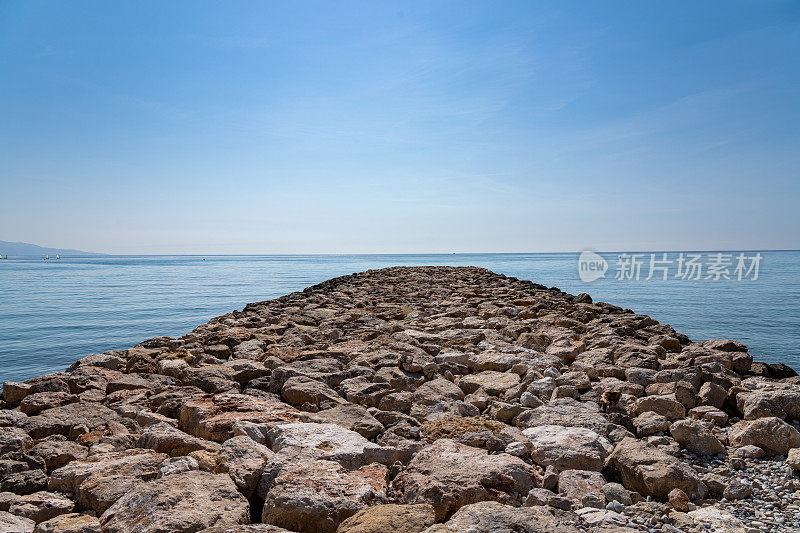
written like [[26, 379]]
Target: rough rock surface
[[184, 502], [449, 475], [401, 397], [390, 517]]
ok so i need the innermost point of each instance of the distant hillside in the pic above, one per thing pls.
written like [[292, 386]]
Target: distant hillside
[[23, 249]]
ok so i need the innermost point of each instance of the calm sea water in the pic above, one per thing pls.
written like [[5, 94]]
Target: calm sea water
[[53, 312]]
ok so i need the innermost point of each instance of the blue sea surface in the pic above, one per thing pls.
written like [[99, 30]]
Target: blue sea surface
[[54, 312]]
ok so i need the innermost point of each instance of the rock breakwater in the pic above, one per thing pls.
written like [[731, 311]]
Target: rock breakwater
[[408, 399]]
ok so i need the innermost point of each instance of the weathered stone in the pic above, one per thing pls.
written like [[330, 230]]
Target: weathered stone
[[695, 437], [646, 469], [773, 435], [26, 482], [385, 518], [34, 404], [299, 390], [584, 486], [213, 418], [793, 458], [318, 495], [14, 393], [41, 506], [165, 438], [244, 460], [57, 453], [716, 519], [449, 475], [185, 502], [710, 414], [349, 416], [330, 442], [566, 412], [100, 480], [10, 523], [494, 383], [650, 423], [567, 447], [13, 439], [665, 406], [177, 465], [495, 516], [60, 420], [70, 523]]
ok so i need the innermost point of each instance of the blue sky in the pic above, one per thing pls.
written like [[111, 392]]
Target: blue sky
[[335, 127]]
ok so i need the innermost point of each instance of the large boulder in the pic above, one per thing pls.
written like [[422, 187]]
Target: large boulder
[[696, 437], [213, 418], [60, 420], [180, 503], [646, 469], [772, 434], [70, 523], [100, 480], [495, 516], [768, 402], [494, 383], [308, 495], [567, 447], [330, 442], [164, 438], [350, 416], [566, 412], [449, 475], [41, 506], [10, 523], [244, 460], [584, 486], [14, 439], [390, 517], [666, 406], [57, 453]]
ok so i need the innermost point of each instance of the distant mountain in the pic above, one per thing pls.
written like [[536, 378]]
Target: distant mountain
[[23, 249]]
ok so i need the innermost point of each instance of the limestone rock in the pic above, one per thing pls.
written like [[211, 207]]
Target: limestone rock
[[15, 524], [181, 503], [70, 523], [41, 506], [100, 480], [772, 434], [695, 437], [793, 458], [350, 416], [318, 495], [165, 438], [648, 470], [330, 442], [244, 460], [585, 486], [390, 517], [213, 418], [449, 475], [566, 412], [13, 439], [567, 447], [650, 423], [495, 516]]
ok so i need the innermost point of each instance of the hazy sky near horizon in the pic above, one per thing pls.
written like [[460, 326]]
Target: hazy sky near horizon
[[336, 127]]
